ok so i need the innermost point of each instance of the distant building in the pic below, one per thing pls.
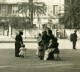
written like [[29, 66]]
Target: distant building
[[8, 9], [2, 0], [54, 9]]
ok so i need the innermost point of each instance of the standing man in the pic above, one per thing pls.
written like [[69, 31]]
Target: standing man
[[73, 38]]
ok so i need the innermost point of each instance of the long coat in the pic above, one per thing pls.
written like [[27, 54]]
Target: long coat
[[74, 37], [74, 40], [18, 43]]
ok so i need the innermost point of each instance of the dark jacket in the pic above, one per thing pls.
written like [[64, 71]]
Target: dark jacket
[[45, 39], [73, 37]]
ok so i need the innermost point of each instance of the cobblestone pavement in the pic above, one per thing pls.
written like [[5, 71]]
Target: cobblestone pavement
[[70, 62]]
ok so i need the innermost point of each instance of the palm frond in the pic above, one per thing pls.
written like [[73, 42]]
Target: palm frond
[[70, 17]]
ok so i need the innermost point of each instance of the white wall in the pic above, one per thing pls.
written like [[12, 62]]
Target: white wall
[[68, 32]]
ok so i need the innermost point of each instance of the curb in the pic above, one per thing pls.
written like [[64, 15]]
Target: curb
[[14, 41]]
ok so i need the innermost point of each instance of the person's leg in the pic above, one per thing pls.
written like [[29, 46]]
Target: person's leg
[[24, 54], [17, 47], [44, 50], [16, 52], [51, 56], [46, 55], [74, 44]]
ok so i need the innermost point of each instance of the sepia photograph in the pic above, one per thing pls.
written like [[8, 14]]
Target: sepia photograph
[[39, 35]]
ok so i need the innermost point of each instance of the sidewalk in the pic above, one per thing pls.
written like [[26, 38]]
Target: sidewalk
[[8, 43], [7, 39], [70, 62]]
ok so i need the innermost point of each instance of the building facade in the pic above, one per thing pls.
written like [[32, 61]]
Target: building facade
[[54, 9]]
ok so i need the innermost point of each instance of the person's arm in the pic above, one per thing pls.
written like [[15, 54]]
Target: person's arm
[[20, 48], [16, 37], [50, 45], [21, 40], [76, 36]]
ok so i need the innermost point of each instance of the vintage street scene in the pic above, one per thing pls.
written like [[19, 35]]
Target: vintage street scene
[[39, 35]]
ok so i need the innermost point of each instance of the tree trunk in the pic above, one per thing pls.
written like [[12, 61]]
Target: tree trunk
[[31, 11], [64, 33], [9, 30], [4, 31], [25, 33]]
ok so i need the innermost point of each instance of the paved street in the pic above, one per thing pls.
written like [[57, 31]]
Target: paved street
[[70, 62], [24, 20], [32, 44], [70, 59]]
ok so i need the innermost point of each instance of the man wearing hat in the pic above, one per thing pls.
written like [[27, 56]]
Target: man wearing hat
[[74, 39]]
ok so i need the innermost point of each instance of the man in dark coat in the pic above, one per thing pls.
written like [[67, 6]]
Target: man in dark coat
[[45, 40], [18, 43], [51, 36], [74, 39]]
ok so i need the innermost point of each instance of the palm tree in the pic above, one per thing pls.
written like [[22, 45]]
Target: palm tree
[[70, 19], [39, 9], [31, 8], [19, 23]]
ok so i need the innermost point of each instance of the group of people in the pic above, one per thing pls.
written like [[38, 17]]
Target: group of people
[[47, 45]]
